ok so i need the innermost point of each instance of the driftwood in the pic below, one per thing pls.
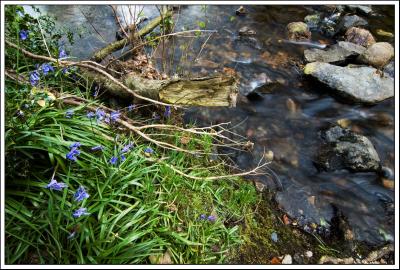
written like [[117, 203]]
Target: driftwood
[[117, 45], [206, 91]]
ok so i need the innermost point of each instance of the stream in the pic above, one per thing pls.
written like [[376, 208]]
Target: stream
[[286, 113]]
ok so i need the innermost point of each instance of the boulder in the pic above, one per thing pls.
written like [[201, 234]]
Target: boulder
[[389, 69], [360, 36], [337, 53], [361, 9], [343, 148], [359, 83], [378, 54], [312, 21], [349, 21], [298, 31]]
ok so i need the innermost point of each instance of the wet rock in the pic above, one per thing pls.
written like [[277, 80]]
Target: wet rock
[[287, 259], [389, 69], [241, 11], [359, 83], [312, 21], [343, 148], [328, 24], [297, 31], [333, 260], [362, 9], [246, 31], [378, 54], [383, 33], [349, 21], [359, 36], [337, 53]]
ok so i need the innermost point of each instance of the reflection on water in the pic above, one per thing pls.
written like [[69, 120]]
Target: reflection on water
[[287, 115]]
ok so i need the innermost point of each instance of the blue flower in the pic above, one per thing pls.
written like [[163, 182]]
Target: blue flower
[[113, 160], [126, 148], [54, 185], [69, 113], [80, 212], [34, 77], [167, 112], [96, 91], [114, 116], [19, 13], [46, 68], [274, 237], [97, 148], [65, 70], [203, 216], [211, 218], [100, 114], [23, 34], [123, 157], [131, 107], [81, 194], [90, 115], [149, 150], [73, 154], [62, 54], [75, 145]]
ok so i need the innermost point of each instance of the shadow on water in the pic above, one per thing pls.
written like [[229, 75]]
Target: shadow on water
[[286, 114]]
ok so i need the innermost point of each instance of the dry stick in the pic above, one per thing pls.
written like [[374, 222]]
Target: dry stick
[[147, 42], [44, 40], [118, 21], [82, 64]]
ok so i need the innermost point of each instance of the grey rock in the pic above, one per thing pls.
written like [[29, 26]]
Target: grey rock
[[389, 69], [349, 21], [343, 148], [336, 53], [362, 9], [328, 24], [378, 54], [359, 83], [359, 36]]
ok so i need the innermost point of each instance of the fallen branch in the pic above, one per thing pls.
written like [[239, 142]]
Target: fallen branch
[[207, 91], [115, 46]]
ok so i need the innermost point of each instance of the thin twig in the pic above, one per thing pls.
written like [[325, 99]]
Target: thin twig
[[44, 40]]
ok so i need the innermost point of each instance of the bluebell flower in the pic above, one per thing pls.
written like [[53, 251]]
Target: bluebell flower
[[100, 114], [114, 116], [131, 107], [69, 113], [123, 157], [211, 218], [62, 54], [65, 70], [23, 34], [81, 194], [203, 216], [34, 77], [46, 68], [149, 150], [97, 148], [80, 212], [96, 91], [113, 160], [75, 145], [126, 148], [19, 13], [54, 185], [167, 112], [90, 115], [73, 154]]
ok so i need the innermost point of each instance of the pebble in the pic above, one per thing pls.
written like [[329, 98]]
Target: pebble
[[274, 237], [287, 259], [269, 155], [308, 253]]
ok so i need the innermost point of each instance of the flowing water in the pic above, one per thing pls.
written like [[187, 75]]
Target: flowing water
[[286, 115]]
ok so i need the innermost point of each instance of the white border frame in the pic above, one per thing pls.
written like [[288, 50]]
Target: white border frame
[[397, 94]]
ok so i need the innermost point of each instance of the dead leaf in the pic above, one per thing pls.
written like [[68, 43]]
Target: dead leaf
[[41, 102], [286, 219], [185, 140], [275, 260]]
